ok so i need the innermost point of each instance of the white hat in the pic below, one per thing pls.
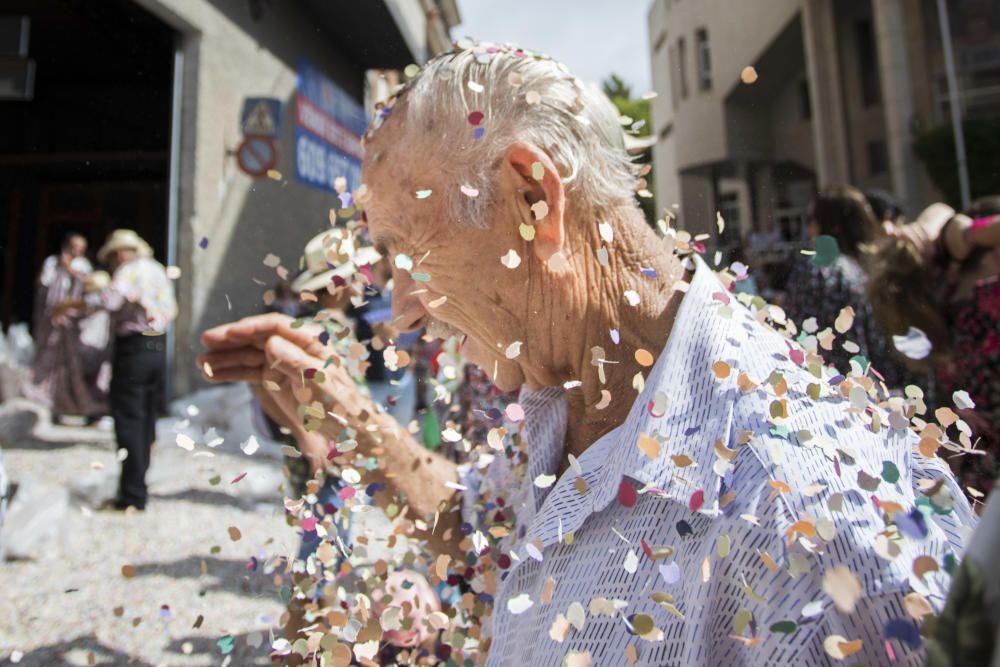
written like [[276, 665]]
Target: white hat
[[321, 255], [123, 239]]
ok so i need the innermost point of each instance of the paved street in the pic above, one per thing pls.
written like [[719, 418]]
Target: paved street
[[73, 605]]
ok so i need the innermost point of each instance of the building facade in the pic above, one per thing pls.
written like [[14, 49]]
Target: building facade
[[138, 118], [838, 93]]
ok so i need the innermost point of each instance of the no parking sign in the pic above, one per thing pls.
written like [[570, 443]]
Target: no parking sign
[[256, 155]]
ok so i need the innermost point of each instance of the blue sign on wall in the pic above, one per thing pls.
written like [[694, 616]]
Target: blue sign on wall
[[261, 116], [328, 129]]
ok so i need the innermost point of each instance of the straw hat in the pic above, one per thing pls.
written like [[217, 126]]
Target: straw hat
[[321, 264], [123, 239], [96, 281]]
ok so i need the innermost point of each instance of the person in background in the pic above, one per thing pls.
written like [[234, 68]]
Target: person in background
[[887, 209], [940, 275], [822, 289], [60, 379], [140, 300]]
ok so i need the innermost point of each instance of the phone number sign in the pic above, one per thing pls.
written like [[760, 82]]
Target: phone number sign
[[328, 129]]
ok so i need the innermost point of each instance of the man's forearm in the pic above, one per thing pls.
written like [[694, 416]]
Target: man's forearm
[[417, 480]]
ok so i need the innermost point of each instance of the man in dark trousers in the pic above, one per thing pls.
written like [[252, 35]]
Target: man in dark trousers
[[141, 301]]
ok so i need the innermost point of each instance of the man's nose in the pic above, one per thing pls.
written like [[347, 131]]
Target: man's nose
[[408, 313]]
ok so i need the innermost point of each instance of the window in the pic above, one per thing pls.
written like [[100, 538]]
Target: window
[[878, 158], [682, 67], [704, 59], [871, 93], [805, 103]]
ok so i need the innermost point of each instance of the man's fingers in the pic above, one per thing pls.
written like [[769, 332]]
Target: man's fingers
[[288, 357], [240, 374], [244, 356], [255, 330]]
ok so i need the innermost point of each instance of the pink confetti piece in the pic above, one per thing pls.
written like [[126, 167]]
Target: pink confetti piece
[[697, 500], [476, 117], [469, 191], [238, 478], [309, 524], [627, 494], [514, 412]]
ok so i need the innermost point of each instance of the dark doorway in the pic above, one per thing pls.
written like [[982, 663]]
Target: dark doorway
[[89, 151]]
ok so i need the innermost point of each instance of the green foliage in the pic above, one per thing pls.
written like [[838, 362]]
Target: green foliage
[[936, 149], [638, 110]]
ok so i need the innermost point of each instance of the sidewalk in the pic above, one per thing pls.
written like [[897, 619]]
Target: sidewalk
[[73, 604]]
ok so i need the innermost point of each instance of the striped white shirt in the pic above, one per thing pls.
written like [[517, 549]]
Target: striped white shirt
[[708, 521]]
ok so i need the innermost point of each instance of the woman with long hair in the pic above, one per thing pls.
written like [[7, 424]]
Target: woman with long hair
[[821, 290], [940, 275]]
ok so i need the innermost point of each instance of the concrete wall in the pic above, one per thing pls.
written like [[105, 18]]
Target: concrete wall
[[738, 32], [791, 134], [228, 56]]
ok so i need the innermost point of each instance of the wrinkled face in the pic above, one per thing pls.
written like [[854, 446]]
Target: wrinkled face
[[447, 274]]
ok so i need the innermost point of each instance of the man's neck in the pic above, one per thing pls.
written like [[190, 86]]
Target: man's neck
[[639, 262]]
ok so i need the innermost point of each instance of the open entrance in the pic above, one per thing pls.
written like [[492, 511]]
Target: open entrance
[[84, 132]]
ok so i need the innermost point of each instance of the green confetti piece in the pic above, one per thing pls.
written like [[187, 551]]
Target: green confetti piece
[[421, 277], [890, 472], [226, 644], [784, 627], [827, 251], [431, 431]]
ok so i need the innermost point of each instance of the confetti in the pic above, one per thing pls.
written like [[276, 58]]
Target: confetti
[[843, 587], [520, 604], [606, 232], [476, 117], [423, 194], [476, 87], [540, 209], [185, 442], [721, 370], [512, 260], [748, 74], [627, 495], [532, 97], [527, 232], [962, 400], [250, 446], [469, 191], [514, 412], [649, 446], [234, 533], [644, 358], [545, 481], [827, 251], [914, 345], [632, 297]]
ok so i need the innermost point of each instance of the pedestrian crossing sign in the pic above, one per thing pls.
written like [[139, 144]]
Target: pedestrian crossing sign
[[261, 116]]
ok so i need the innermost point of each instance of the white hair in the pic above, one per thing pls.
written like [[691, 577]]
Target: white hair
[[522, 96]]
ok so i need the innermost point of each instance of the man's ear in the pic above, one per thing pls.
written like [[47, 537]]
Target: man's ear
[[541, 197]]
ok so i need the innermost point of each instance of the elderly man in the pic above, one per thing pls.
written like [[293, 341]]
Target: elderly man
[[140, 299], [683, 485]]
